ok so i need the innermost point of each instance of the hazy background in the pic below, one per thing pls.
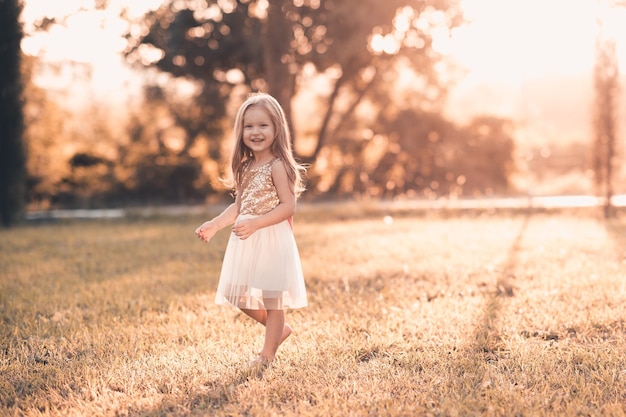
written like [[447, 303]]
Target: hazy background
[[497, 100]]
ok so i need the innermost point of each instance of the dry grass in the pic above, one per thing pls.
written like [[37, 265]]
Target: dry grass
[[480, 315]]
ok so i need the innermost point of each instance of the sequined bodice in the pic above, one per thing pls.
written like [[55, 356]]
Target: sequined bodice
[[258, 193]]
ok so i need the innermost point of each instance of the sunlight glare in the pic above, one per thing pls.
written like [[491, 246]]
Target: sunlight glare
[[510, 39], [511, 49], [387, 44], [402, 21], [85, 35]]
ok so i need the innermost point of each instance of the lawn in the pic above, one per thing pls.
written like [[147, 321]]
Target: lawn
[[409, 314]]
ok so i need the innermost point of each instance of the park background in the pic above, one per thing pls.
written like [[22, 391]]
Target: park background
[[440, 281], [131, 103]]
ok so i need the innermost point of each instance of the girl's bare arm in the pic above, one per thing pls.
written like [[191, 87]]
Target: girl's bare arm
[[227, 217]]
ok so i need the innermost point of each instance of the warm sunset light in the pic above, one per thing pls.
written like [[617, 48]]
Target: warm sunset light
[[312, 208], [522, 70], [85, 36], [531, 60], [508, 40], [505, 43]]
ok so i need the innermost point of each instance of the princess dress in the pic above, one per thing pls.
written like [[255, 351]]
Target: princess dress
[[264, 270]]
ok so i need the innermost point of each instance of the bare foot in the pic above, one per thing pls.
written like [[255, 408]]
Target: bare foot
[[286, 333]]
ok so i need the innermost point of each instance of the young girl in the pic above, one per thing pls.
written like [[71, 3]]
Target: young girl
[[261, 272]]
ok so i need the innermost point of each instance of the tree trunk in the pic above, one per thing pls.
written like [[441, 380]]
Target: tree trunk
[[606, 86], [279, 70], [12, 155], [330, 109]]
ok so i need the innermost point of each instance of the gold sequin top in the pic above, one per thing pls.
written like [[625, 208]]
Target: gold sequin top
[[258, 193]]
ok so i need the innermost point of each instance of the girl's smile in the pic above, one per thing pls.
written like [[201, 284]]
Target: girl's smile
[[258, 131]]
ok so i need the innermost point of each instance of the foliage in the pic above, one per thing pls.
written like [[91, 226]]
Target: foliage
[[12, 154], [424, 155], [158, 164], [361, 80], [357, 47], [414, 315]]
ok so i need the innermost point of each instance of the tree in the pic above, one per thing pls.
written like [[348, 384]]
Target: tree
[[12, 155], [45, 136], [157, 165], [425, 155], [485, 157], [268, 48], [606, 76]]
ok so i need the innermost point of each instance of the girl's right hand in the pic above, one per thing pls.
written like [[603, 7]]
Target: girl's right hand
[[207, 230]]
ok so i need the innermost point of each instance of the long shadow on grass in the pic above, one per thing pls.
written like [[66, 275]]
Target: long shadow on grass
[[486, 334], [469, 367], [485, 347]]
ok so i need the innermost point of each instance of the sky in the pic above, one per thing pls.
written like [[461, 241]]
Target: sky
[[532, 60], [522, 57], [93, 37], [508, 40]]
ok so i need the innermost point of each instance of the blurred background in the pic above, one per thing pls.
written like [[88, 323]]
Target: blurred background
[[132, 102]]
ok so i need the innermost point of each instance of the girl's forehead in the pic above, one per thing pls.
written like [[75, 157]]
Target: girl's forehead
[[255, 112]]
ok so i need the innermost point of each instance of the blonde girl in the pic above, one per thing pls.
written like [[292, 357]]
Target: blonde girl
[[261, 271]]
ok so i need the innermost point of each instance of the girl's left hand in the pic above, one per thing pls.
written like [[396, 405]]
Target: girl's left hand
[[244, 229], [206, 231]]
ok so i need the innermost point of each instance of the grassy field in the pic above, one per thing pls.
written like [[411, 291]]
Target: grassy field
[[409, 315]]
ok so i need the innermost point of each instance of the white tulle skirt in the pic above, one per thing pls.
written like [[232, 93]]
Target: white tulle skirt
[[262, 271]]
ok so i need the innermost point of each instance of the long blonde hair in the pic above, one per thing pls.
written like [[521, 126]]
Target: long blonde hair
[[281, 148]]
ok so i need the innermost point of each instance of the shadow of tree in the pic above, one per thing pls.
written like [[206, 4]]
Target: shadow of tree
[[485, 355], [486, 346], [487, 337]]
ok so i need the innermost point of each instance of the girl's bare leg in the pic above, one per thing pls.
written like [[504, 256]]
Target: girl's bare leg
[[262, 316], [274, 327], [258, 315]]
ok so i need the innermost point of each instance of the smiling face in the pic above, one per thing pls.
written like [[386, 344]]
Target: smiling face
[[258, 132]]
